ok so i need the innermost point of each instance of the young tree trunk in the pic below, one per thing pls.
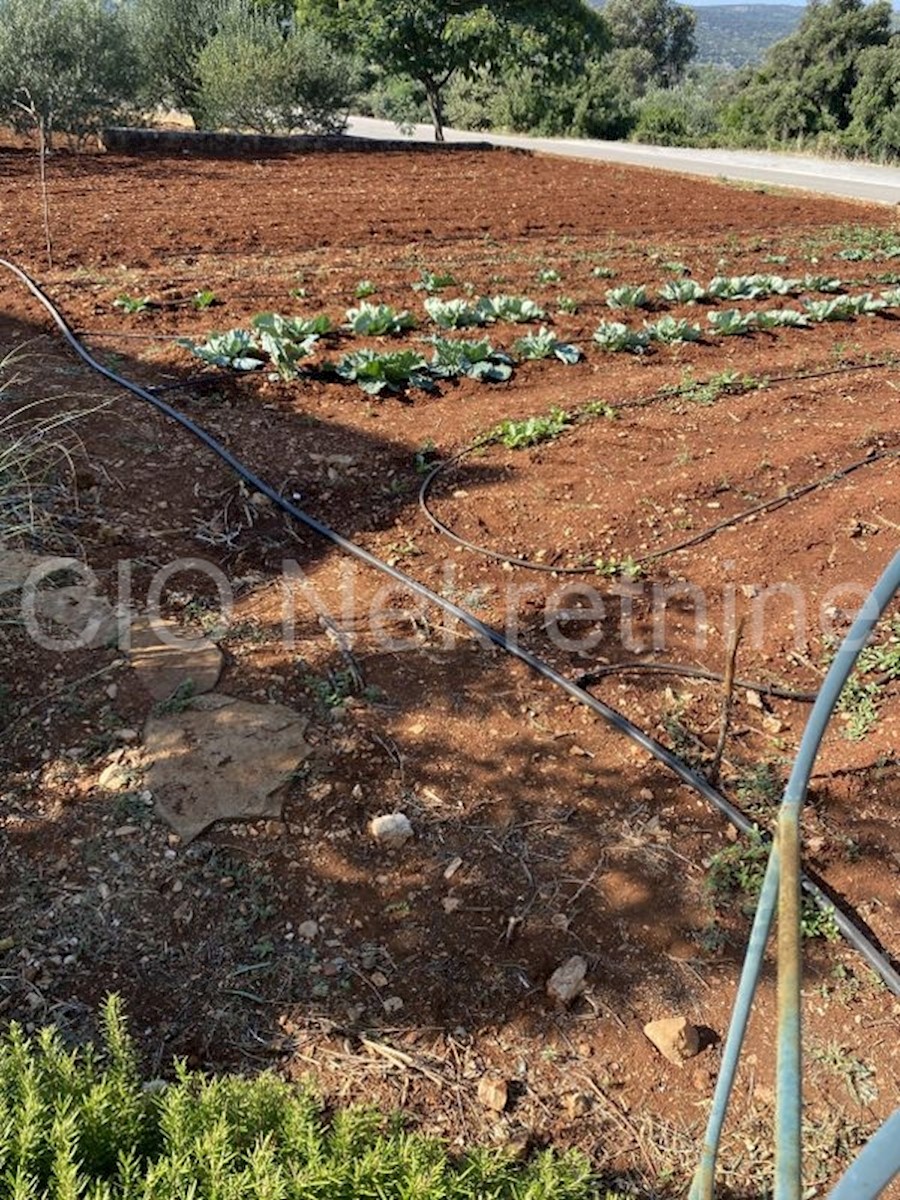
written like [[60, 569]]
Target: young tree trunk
[[436, 106]]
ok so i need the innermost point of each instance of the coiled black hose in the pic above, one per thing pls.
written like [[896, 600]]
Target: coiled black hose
[[873, 956]]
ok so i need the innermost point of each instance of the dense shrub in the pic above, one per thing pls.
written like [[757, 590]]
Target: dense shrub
[[65, 65], [78, 1123], [254, 75]]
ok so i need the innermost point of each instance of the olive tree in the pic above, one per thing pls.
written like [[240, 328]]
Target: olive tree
[[256, 74], [65, 66]]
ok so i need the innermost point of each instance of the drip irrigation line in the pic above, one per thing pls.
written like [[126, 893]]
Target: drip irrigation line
[[695, 540], [667, 668], [486, 633]]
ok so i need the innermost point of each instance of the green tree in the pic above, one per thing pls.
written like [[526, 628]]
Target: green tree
[[255, 74], [875, 104], [171, 35], [431, 41], [806, 82], [65, 65], [660, 29]]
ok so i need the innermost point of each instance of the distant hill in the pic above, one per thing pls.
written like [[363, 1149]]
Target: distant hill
[[731, 35], [734, 34]]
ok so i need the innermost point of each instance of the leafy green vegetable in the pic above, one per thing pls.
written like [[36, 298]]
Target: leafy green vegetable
[[730, 322], [479, 360], [203, 300], [377, 320], [364, 289], [774, 318], [682, 291], [838, 308], [518, 309], [614, 336], [236, 349], [627, 297], [820, 283], [545, 344], [132, 304], [454, 314], [376, 373], [671, 331], [296, 328]]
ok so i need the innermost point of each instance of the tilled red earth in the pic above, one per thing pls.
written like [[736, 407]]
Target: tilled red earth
[[539, 832]]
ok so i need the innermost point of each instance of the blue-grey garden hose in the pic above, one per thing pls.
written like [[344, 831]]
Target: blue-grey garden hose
[[876, 1165]]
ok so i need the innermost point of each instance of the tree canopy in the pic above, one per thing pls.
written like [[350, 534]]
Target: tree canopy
[[431, 41], [806, 83], [661, 30]]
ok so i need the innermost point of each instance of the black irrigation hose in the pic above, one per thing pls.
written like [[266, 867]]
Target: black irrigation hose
[[855, 936], [704, 535], [687, 672]]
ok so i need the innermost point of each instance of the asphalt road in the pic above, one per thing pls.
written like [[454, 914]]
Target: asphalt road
[[860, 181]]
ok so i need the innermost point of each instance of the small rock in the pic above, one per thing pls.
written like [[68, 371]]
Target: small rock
[[127, 830], [754, 699], [308, 930], [392, 830], [646, 795], [392, 1004], [115, 778], [772, 725], [567, 981], [112, 691], [126, 735], [576, 1104], [451, 904], [675, 1038], [493, 1093], [452, 867], [379, 979]]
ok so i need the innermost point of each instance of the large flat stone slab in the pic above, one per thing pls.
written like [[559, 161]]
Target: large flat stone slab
[[221, 759]]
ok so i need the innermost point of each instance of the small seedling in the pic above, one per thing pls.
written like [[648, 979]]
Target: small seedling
[[519, 435], [203, 300], [434, 281], [549, 275], [567, 304], [364, 289], [132, 304]]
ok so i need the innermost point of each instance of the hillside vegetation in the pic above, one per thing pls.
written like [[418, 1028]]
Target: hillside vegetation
[[733, 35]]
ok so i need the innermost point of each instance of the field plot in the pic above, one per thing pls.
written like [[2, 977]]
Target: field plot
[[701, 460]]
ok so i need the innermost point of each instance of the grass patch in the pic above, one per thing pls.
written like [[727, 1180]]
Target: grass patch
[[80, 1123]]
